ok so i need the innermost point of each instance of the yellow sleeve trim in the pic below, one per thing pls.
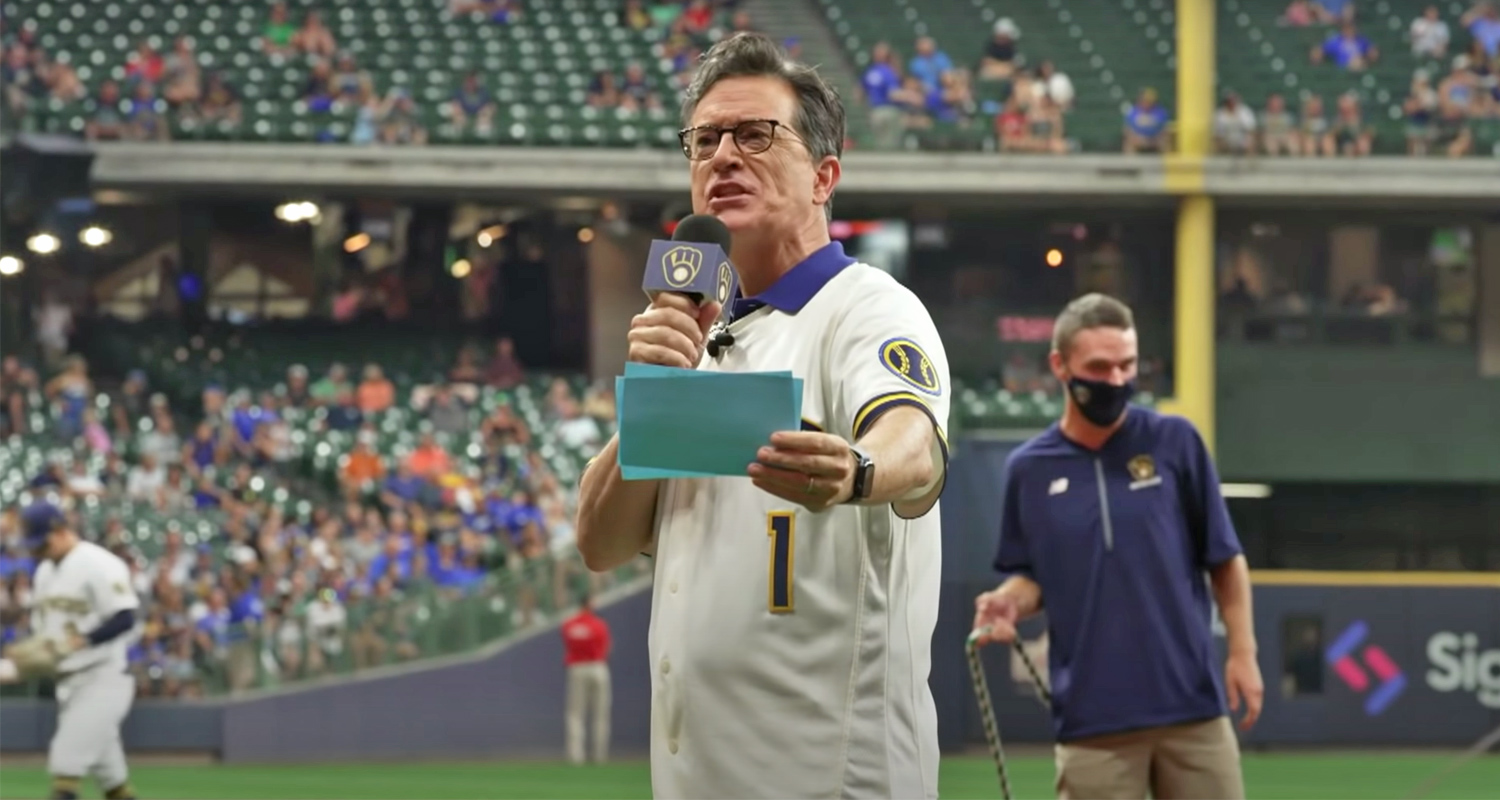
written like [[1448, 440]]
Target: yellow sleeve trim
[[872, 410]]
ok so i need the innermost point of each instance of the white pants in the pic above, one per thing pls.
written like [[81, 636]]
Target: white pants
[[91, 706], [588, 684]]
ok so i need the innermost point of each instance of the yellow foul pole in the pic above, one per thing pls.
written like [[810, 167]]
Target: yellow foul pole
[[1195, 295]]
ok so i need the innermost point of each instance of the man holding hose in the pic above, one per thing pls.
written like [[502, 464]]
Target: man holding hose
[[1113, 522]]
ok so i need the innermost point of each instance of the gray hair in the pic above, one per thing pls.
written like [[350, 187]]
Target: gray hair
[[1089, 311], [820, 112]]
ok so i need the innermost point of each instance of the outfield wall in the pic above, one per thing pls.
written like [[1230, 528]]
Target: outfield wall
[[1422, 668]]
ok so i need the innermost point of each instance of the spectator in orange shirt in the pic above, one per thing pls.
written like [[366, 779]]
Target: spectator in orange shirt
[[362, 469], [586, 654], [375, 393], [429, 460]]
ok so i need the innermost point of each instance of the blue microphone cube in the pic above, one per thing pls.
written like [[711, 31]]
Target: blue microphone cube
[[690, 268]]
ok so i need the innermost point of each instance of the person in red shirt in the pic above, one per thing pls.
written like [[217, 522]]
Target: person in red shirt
[[586, 639]]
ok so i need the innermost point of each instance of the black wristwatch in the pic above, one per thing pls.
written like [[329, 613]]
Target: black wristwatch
[[864, 475]]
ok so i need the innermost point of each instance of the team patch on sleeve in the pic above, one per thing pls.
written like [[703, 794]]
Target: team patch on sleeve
[[906, 360]]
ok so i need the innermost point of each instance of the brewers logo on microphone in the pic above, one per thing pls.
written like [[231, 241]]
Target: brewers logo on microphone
[[676, 265], [680, 265], [726, 282]]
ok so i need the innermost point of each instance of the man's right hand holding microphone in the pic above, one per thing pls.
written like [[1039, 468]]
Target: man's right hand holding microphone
[[672, 331]]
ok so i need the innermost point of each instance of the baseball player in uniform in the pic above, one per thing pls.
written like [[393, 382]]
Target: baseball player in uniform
[[84, 608], [794, 607]]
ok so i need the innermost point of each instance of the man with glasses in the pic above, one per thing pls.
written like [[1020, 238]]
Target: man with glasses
[[793, 607]]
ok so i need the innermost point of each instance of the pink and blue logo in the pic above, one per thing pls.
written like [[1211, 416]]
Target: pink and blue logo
[[1346, 655]]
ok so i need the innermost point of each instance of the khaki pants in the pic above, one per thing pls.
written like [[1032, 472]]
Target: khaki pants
[[588, 684], [1192, 761]]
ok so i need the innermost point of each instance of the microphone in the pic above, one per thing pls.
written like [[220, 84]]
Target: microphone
[[695, 262], [719, 341]]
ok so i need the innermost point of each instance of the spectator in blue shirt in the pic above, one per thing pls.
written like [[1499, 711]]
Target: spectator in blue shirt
[[213, 628], [397, 554], [511, 515], [402, 487], [1483, 22], [247, 417], [1331, 11], [929, 64], [1348, 48], [1146, 125], [448, 569], [880, 77], [1109, 521], [472, 104]]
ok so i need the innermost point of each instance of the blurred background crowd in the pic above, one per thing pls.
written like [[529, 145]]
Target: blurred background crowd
[[255, 567], [1309, 78]]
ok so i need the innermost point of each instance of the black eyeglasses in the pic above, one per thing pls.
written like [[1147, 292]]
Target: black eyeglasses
[[751, 136]]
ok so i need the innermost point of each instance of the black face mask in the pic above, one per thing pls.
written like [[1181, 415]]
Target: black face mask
[[1100, 402]]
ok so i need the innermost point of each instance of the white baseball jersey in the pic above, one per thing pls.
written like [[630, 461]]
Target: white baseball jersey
[[80, 592], [790, 651]]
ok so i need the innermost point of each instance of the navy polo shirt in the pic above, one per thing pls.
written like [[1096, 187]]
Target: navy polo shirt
[[1119, 540]]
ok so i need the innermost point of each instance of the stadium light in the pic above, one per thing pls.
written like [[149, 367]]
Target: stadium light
[[44, 244], [297, 212], [357, 242], [461, 268], [95, 236], [490, 235], [1054, 258], [585, 235], [10, 265]]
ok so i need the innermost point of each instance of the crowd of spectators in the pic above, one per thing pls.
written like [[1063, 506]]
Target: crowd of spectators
[[1454, 87], [1025, 104], [682, 32], [289, 579], [156, 88], [1021, 96]]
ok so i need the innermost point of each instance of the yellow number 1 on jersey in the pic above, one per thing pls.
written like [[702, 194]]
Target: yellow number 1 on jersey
[[781, 526]]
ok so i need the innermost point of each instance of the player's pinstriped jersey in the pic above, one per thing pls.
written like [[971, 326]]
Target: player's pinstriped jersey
[[88, 586], [790, 651]]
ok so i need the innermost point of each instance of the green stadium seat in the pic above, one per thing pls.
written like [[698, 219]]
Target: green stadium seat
[[401, 42]]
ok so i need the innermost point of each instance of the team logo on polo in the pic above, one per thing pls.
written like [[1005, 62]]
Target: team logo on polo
[[907, 361], [680, 265], [726, 279], [1143, 474]]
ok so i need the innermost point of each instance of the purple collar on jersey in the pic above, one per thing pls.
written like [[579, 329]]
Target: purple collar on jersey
[[791, 291]]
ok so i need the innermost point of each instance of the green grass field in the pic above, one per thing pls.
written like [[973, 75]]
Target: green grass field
[[1311, 776]]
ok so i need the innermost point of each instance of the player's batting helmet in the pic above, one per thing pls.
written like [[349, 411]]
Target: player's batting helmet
[[40, 519]]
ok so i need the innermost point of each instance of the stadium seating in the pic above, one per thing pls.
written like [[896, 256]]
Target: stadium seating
[[1258, 57], [538, 68], [526, 590], [1111, 50]]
